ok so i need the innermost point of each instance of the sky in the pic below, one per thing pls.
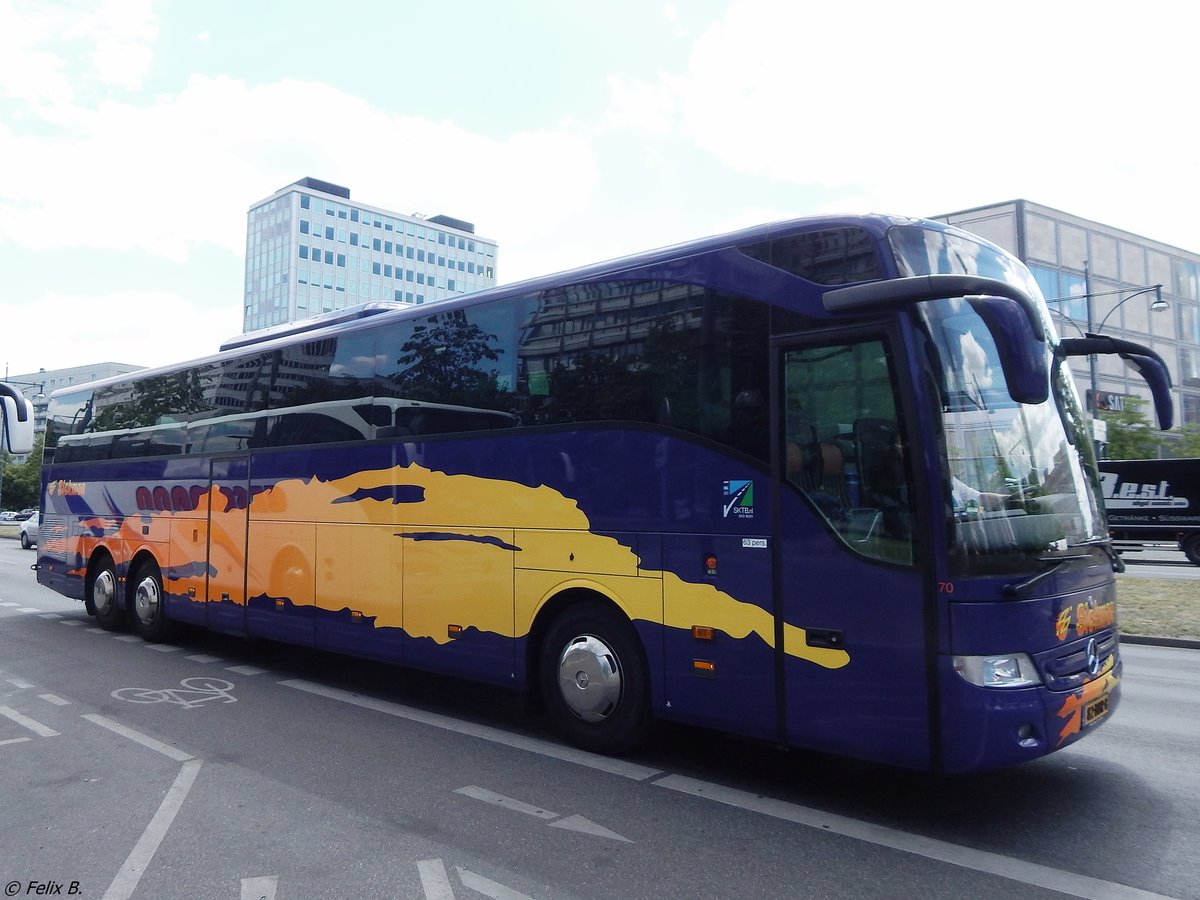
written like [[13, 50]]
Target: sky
[[135, 135]]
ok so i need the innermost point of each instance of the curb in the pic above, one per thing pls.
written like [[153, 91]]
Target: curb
[[1153, 641]]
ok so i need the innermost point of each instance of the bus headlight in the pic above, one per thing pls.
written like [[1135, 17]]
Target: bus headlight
[[1002, 671]]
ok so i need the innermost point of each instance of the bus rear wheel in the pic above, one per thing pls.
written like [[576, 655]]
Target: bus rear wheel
[[1191, 548], [594, 679], [104, 598], [149, 614]]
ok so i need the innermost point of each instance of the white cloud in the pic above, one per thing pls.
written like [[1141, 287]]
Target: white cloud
[[942, 105], [135, 327], [183, 171]]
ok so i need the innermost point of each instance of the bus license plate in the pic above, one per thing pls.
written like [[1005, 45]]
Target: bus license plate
[[1095, 711]]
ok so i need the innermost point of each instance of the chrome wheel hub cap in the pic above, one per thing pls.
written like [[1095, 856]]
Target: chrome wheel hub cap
[[589, 678]]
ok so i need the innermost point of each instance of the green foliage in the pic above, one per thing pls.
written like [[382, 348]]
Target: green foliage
[[22, 481], [1186, 444], [1130, 434]]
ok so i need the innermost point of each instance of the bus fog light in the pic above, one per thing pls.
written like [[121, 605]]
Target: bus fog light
[[1001, 671]]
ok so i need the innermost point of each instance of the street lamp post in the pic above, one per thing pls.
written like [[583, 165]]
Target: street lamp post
[[1157, 305]]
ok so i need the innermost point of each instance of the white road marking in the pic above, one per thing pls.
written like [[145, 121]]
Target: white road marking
[[587, 826], [19, 683], [8, 603], [49, 616], [163, 648], [489, 888], [71, 622], [495, 799], [484, 732], [55, 699], [261, 887], [98, 631], [246, 670], [28, 609], [36, 727], [568, 823], [204, 658], [20, 740], [129, 638], [930, 848], [136, 736], [143, 851], [434, 880]]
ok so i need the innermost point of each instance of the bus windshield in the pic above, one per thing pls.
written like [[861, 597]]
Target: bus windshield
[[1017, 495]]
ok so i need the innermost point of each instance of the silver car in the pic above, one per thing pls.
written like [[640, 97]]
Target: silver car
[[29, 530]]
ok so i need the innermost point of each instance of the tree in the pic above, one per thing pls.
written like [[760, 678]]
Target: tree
[[22, 481], [1187, 441], [1130, 434]]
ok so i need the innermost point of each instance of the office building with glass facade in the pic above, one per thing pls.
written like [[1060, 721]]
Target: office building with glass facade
[[310, 250], [1075, 261]]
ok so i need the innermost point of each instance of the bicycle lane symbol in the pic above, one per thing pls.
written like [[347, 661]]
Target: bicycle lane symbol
[[192, 692]]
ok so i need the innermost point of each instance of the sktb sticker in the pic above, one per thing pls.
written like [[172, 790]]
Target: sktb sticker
[[739, 499]]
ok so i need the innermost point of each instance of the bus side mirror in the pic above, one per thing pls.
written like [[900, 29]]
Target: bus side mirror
[[1012, 316], [1149, 365], [1022, 353], [16, 420]]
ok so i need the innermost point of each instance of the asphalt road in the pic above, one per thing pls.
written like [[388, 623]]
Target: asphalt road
[[218, 768]]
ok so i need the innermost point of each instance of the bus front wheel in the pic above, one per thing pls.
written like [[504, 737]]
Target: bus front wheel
[[149, 616], [104, 598], [594, 679]]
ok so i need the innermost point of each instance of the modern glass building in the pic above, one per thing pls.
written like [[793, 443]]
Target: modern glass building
[[310, 250], [1106, 280]]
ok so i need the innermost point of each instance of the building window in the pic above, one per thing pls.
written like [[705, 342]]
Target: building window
[[376, 268], [303, 251], [304, 201], [354, 239], [304, 226], [329, 257], [341, 260], [376, 244], [387, 271]]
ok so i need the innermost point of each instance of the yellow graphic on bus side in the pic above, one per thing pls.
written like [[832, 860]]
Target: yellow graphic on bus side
[[422, 550]]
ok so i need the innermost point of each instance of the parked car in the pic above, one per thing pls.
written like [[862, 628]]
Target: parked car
[[29, 530], [9, 515], [26, 513]]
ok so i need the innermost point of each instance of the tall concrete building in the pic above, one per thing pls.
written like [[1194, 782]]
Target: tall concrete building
[[310, 250], [1100, 278]]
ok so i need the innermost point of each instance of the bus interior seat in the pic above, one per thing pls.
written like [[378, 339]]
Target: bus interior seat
[[878, 460]]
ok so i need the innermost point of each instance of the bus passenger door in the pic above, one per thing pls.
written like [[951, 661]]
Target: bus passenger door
[[229, 502], [851, 595]]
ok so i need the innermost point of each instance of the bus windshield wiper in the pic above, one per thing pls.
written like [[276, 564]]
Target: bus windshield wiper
[[1105, 544]]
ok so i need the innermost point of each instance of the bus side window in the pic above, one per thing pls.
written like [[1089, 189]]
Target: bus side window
[[840, 414]]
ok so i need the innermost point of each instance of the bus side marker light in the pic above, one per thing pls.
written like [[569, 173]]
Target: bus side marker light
[[702, 632], [356, 615], [704, 668], [454, 630], [710, 564], [278, 604]]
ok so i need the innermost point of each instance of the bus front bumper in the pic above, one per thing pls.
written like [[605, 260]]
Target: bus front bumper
[[986, 728]]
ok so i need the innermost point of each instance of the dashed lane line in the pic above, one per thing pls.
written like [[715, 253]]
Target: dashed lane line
[[32, 724]]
